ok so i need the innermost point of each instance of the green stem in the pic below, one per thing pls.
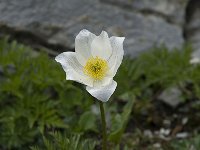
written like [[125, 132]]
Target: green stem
[[103, 120]]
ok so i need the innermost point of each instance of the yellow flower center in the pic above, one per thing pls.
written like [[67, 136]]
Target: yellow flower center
[[96, 68]]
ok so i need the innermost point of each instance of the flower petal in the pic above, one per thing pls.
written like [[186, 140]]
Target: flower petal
[[73, 69], [117, 54], [101, 46], [102, 93], [83, 45], [103, 82]]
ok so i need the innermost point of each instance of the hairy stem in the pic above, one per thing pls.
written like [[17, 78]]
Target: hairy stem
[[103, 120]]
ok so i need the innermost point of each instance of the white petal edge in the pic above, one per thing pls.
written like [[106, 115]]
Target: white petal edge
[[117, 54], [102, 93], [101, 46], [72, 68], [83, 45]]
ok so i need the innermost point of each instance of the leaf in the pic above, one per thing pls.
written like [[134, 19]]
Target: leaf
[[58, 141], [121, 122], [34, 148], [87, 121]]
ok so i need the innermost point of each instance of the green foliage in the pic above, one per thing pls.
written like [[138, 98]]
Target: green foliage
[[120, 122], [165, 68], [187, 144], [57, 141], [89, 124], [35, 98], [158, 67], [157, 70]]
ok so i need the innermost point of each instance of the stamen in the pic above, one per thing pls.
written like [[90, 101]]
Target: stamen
[[96, 68]]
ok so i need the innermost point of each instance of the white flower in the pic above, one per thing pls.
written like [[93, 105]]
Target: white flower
[[94, 63]]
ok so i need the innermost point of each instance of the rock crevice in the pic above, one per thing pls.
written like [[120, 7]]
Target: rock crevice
[[31, 39], [53, 25], [192, 25], [163, 9]]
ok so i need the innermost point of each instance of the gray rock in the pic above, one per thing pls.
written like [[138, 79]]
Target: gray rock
[[171, 10], [1, 70], [157, 145], [167, 123], [165, 132], [11, 69], [193, 26], [182, 135], [148, 133], [171, 96], [54, 24], [193, 14], [184, 121], [1, 74]]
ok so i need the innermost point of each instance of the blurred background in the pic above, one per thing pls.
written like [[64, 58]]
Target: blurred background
[[54, 24], [156, 105]]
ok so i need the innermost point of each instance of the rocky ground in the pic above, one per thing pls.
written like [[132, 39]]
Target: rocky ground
[[53, 25]]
